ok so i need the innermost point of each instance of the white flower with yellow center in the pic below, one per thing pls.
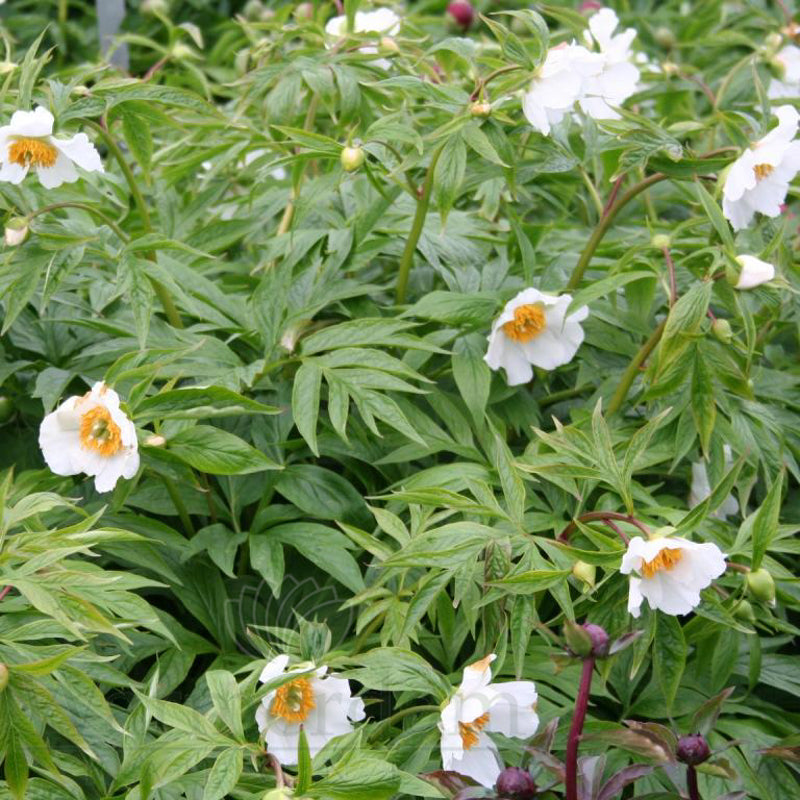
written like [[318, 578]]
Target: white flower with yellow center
[[91, 435], [759, 179], [753, 272], [618, 77], [320, 703], [478, 708], [669, 572], [788, 85], [534, 331], [27, 143]]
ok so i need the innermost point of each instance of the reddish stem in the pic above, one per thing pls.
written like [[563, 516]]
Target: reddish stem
[[613, 195], [4, 592], [576, 728], [614, 527], [603, 516], [691, 780]]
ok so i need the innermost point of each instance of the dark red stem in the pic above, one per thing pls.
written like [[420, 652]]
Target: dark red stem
[[576, 728], [691, 779], [4, 592], [603, 516]]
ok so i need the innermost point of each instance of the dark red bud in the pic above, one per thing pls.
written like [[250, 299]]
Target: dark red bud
[[514, 783], [600, 641], [462, 13], [693, 749]]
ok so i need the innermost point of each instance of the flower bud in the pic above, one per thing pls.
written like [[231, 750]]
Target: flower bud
[[155, 441], [777, 67], [16, 231], [304, 12], [693, 749], [670, 68], [154, 7], [579, 640], [744, 612], [762, 586], [599, 637], [660, 241], [352, 158], [753, 272], [7, 66], [514, 783], [773, 41], [388, 46], [665, 37], [6, 408], [278, 794], [721, 328], [3, 676], [181, 51], [252, 9], [480, 109], [462, 13], [585, 572]]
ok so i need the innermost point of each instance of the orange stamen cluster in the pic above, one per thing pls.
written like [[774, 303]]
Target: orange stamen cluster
[[763, 171], [99, 432], [32, 153], [665, 560], [529, 321], [293, 701], [469, 730]]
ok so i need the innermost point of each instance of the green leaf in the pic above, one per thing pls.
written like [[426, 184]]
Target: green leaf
[[472, 375], [136, 131], [765, 524], [305, 771], [305, 402], [266, 558], [449, 173], [224, 775], [704, 404], [227, 702], [217, 452], [392, 669], [669, 656], [198, 402], [683, 323], [716, 216]]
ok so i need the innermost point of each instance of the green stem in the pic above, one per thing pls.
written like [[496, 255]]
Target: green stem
[[424, 200], [397, 716], [164, 297], [85, 207], [605, 223], [180, 506], [630, 373], [565, 394]]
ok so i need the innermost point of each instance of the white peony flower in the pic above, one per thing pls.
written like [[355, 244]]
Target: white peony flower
[[478, 707], [754, 272], [701, 487], [320, 703], [618, 77], [669, 573], [788, 85], [91, 434], [759, 179], [383, 21], [534, 329], [27, 143], [559, 83]]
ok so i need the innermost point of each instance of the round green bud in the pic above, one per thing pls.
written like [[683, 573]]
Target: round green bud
[[16, 231], [388, 46], [3, 677], [762, 586], [660, 241], [252, 9], [585, 572], [154, 7], [665, 37], [6, 408], [480, 109], [352, 158], [721, 328], [304, 12], [181, 51], [744, 612]]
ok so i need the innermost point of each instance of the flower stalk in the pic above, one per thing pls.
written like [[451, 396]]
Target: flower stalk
[[691, 780], [576, 729]]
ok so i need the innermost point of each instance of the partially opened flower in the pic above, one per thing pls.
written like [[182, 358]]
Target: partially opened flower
[[788, 84], [381, 22], [618, 77], [753, 272], [534, 330], [669, 572], [478, 708], [759, 179], [701, 487], [27, 143], [91, 434], [320, 703]]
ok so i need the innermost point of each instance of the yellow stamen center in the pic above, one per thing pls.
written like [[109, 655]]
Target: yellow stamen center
[[529, 321], [32, 153], [469, 730], [665, 560], [763, 171], [99, 432], [293, 701]]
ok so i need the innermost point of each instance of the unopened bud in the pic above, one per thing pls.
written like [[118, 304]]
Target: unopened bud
[[762, 586], [514, 783], [599, 637], [661, 241], [579, 641], [388, 46], [773, 41], [278, 794], [7, 66], [721, 328], [16, 231], [462, 13], [693, 749], [585, 572], [744, 612], [665, 37], [480, 109], [304, 12], [154, 7], [6, 409], [777, 67], [181, 51], [252, 9], [352, 158], [3, 676], [155, 441], [670, 68]]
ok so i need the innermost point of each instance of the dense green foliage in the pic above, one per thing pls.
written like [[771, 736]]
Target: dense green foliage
[[329, 468]]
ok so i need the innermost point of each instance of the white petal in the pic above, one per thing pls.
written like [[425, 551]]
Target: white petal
[[281, 738], [481, 762], [60, 446], [274, 668], [635, 597], [754, 272], [63, 171], [738, 212], [12, 173], [80, 150], [512, 712], [36, 123], [476, 676]]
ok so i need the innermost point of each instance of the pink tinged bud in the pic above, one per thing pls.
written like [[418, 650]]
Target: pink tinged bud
[[514, 783], [600, 641], [590, 5], [463, 14], [693, 749]]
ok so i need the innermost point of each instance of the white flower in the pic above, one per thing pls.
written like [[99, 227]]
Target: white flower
[[670, 573], [788, 85], [618, 77], [320, 703], [701, 487], [754, 272], [480, 706], [91, 434], [381, 21], [559, 83], [27, 143], [759, 179], [534, 329]]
